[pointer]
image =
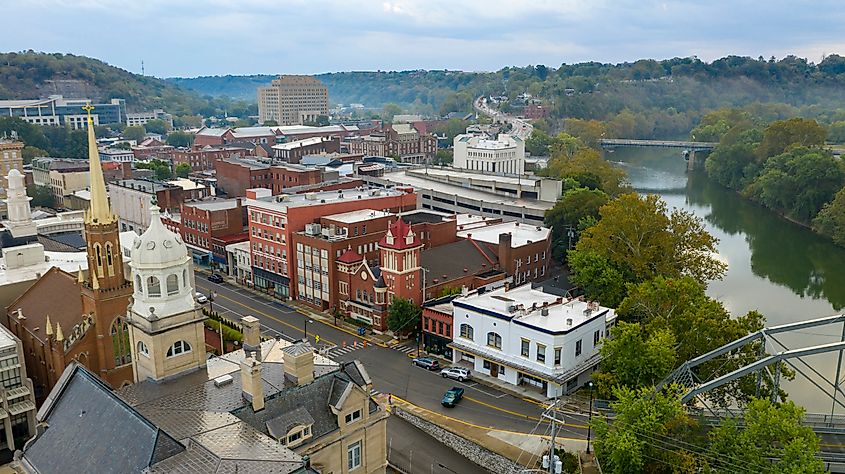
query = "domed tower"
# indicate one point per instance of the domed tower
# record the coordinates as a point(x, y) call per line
point(165, 323)
point(17, 203)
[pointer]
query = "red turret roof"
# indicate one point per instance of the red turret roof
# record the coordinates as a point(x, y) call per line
point(350, 256)
point(400, 230)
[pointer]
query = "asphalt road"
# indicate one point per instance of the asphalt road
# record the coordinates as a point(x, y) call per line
point(390, 369)
point(415, 452)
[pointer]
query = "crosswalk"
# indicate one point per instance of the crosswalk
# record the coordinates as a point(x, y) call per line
point(405, 348)
point(338, 351)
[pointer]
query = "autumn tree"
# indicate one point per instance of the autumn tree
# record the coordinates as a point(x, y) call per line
point(576, 210)
point(572, 159)
point(782, 134)
point(634, 358)
point(588, 131)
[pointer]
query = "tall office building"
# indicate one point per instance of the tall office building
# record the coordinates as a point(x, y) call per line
point(293, 100)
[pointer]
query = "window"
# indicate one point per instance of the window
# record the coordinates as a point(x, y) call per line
point(578, 348)
point(541, 353)
point(178, 347)
point(172, 284)
point(120, 342)
point(143, 349)
point(138, 284)
point(466, 331)
point(354, 416)
point(525, 348)
point(596, 337)
point(185, 278)
point(153, 287)
point(557, 355)
point(494, 340)
point(353, 456)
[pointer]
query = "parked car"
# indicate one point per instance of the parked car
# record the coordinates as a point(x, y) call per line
point(201, 298)
point(452, 397)
point(458, 373)
point(215, 278)
point(426, 363)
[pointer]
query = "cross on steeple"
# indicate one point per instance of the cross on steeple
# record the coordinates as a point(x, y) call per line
point(88, 108)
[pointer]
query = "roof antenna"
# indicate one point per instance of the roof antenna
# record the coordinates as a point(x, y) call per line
point(142, 67)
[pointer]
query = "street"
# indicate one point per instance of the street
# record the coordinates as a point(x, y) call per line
point(390, 368)
point(414, 451)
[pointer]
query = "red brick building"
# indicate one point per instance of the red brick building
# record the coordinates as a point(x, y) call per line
point(274, 219)
point(289, 176)
point(398, 140)
point(203, 221)
point(204, 158)
point(523, 251)
point(235, 176)
point(292, 152)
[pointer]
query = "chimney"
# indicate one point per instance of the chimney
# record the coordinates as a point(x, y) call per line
point(298, 360)
point(504, 252)
point(253, 386)
point(252, 335)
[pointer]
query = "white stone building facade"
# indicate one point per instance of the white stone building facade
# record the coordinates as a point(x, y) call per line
point(504, 155)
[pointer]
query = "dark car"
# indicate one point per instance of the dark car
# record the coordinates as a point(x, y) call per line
point(452, 397)
point(215, 278)
point(426, 363)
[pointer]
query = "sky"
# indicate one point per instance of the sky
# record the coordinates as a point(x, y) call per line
point(190, 38)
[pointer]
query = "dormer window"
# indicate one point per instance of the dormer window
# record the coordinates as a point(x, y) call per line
point(388, 238)
point(297, 435)
point(409, 239)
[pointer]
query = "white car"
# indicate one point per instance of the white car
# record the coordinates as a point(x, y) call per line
point(201, 298)
point(458, 373)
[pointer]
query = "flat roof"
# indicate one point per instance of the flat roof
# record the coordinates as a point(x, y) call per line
point(251, 164)
point(284, 201)
point(7, 340)
point(475, 176)
point(67, 261)
point(563, 315)
point(298, 143)
point(521, 234)
point(214, 204)
point(24, 102)
point(422, 184)
point(186, 184)
point(362, 215)
point(419, 216)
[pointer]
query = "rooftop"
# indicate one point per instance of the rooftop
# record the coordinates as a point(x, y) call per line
point(299, 143)
point(455, 174)
point(456, 260)
point(212, 132)
point(362, 215)
point(215, 204)
point(142, 185)
point(247, 132)
point(251, 164)
point(471, 221)
point(186, 184)
point(524, 305)
point(7, 339)
point(284, 201)
point(521, 234)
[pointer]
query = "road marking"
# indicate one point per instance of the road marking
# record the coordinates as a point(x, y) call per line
point(521, 415)
point(298, 329)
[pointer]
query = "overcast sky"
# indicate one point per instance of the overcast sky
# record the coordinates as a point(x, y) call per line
point(215, 37)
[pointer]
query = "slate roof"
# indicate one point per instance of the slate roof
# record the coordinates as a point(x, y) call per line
point(90, 429)
point(350, 256)
point(278, 427)
point(451, 259)
point(55, 294)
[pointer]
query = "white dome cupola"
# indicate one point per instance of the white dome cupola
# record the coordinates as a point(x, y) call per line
point(160, 272)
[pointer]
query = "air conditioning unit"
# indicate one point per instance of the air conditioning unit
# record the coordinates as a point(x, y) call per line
point(313, 229)
point(311, 196)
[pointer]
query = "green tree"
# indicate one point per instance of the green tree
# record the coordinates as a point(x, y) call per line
point(572, 159)
point(771, 439)
point(322, 121)
point(443, 157)
point(732, 166)
point(163, 172)
point(389, 111)
point(576, 208)
point(639, 235)
point(270, 123)
point(830, 221)
point(42, 196)
point(135, 132)
point(635, 358)
point(180, 139)
point(588, 131)
point(538, 143)
point(598, 277)
point(183, 169)
point(451, 128)
point(643, 435)
point(782, 134)
point(799, 182)
point(403, 316)
point(30, 152)
point(157, 126)
point(187, 121)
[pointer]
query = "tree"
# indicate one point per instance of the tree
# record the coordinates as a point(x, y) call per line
point(571, 159)
point(403, 316)
point(589, 131)
point(322, 121)
point(576, 208)
point(270, 123)
point(183, 169)
point(135, 132)
point(598, 277)
point(635, 358)
point(782, 134)
point(830, 221)
point(538, 143)
point(42, 196)
point(643, 435)
point(443, 157)
point(30, 152)
point(636, 234)
point(389, 111)
point(180, 139)
point(771, 439)
point(157, 126)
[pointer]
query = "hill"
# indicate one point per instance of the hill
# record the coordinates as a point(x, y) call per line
point(34, 75)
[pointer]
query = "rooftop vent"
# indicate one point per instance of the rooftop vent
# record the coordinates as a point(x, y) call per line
point(223, 380)
point(545, 312)
point(568, 320)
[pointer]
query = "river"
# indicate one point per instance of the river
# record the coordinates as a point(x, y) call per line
point(780, 269)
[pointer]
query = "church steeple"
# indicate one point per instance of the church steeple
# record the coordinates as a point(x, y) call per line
point(99, 212)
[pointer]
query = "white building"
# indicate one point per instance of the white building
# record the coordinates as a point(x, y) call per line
point(240, 262)
point(505, 155)
point(116, 154)
point(526, 337)
point(141, 118)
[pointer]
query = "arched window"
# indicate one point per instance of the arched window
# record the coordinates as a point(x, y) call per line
point(120, 342)
point(138, 285)
point(153, 287)
point(178, 347)
point(108, 253)
point(172, 284)
point(466, 331)
point(143, 349)
point(98, 254)
point(494, 340)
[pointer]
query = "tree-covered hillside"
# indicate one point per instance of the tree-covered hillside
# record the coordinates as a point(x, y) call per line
point(32, 75)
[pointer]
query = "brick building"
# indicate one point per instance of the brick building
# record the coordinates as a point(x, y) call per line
point(203, 221)
point(273, 220)
point(523, 251)
point(292, 152)
point(204, 158)
point(398, 140)
point(235, 176)
point(131, 199)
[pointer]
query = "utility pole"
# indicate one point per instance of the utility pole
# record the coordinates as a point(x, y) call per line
point(551, 463)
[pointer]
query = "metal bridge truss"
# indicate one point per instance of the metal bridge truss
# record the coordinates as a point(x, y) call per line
point(685, 376)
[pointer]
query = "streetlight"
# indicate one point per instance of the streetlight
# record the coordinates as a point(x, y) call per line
point(305, 322)
point(590, 422)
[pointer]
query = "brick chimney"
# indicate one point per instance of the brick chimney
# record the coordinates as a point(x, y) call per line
point(252, 335)
point(505, 252)
point(298, 359)
point(253, 386)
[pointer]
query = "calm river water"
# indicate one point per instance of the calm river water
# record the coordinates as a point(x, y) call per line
point(778, 268)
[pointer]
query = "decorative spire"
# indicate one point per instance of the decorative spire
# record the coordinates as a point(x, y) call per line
point(95, 281)
point(59, 336)
point(80, 278)
point(49, 326)
point(99, 211)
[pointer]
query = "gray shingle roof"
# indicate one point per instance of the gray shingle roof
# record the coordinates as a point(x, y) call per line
point(278, 427)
